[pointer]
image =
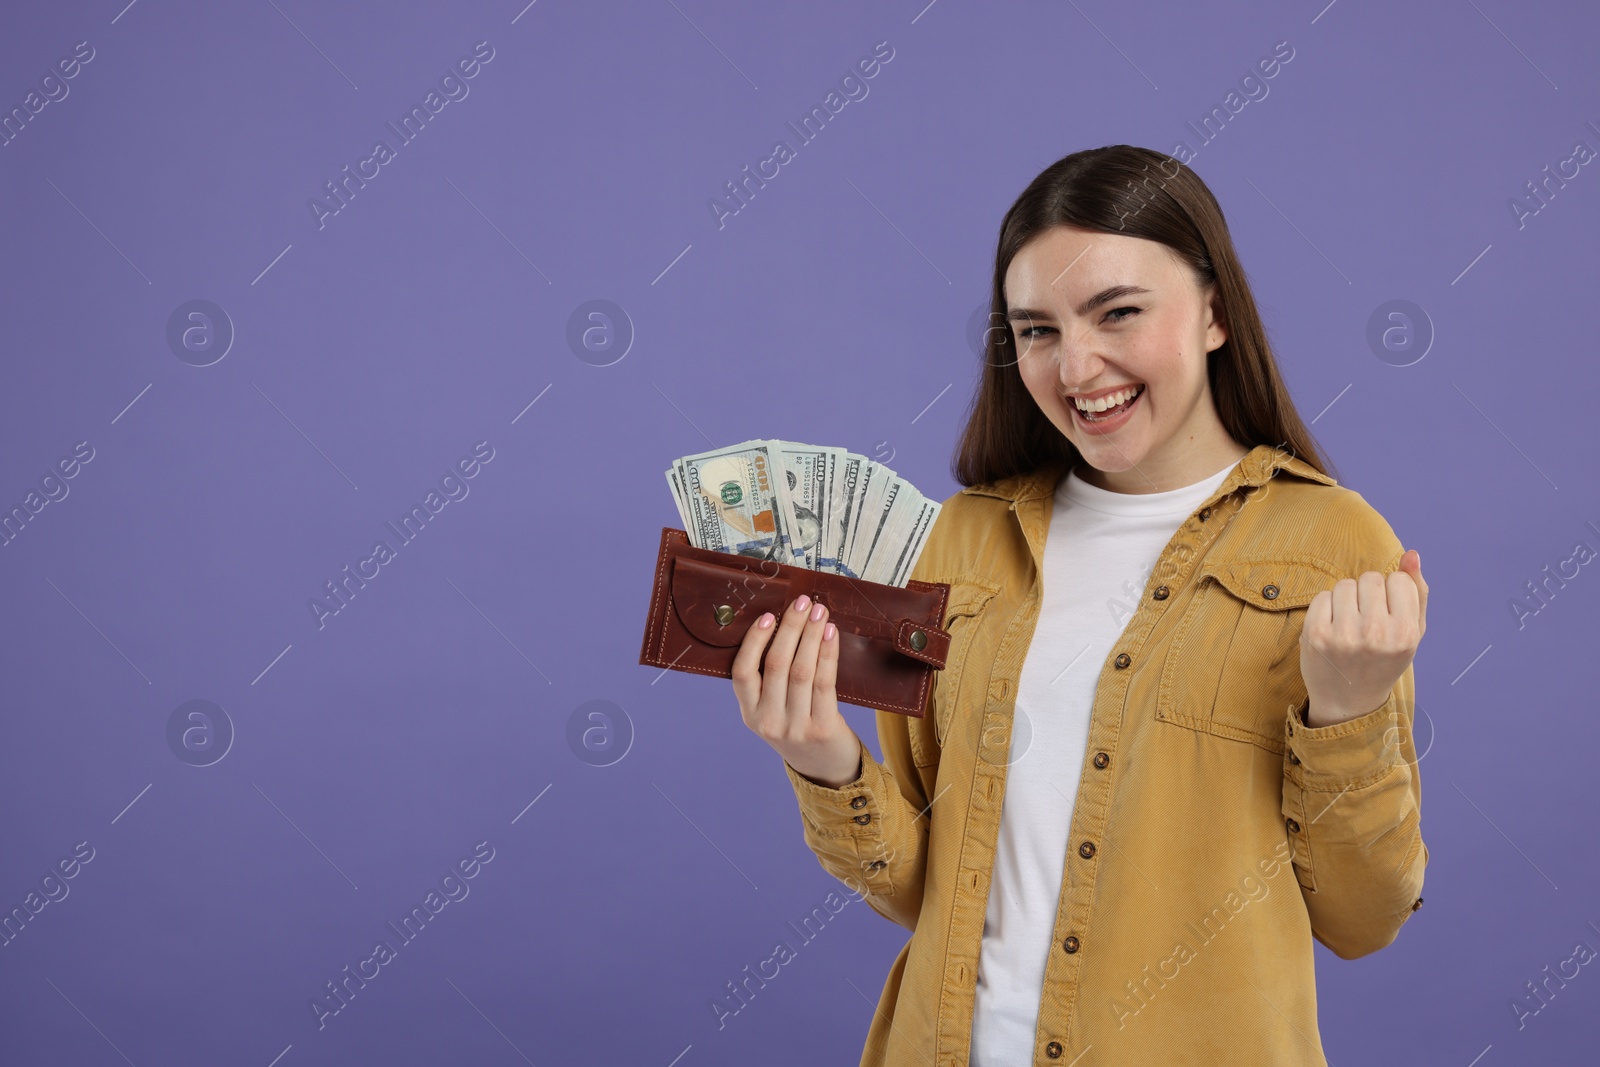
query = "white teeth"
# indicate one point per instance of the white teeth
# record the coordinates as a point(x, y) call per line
point(1109, 401)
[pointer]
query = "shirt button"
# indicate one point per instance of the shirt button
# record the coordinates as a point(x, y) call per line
point(858, 802)
point(1161, 592)
point(1270, 592)
point(1123, 660)
point(1071, 945)
point(864, 818)
point(876, 865)
point(1293, 826)
point(1102, 760)
point(1205, 513)
point(1294, 759)
point(1417, 905)
point(1053, 1049)
point(1086, 850)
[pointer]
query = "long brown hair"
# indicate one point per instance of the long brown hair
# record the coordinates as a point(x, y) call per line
point(1136, 192)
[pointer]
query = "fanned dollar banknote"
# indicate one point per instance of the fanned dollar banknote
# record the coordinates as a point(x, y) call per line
point(826, 509)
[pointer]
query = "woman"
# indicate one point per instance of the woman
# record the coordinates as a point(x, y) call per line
point(1126, 864)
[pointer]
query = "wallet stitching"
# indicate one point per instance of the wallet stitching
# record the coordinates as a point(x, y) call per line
point(657, 616)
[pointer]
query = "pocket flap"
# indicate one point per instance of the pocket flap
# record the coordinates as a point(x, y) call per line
point(1271, 584)
point(717, 604)
point(969, 593)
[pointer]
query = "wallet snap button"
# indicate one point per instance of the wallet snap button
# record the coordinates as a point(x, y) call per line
point(919, 640)
point(724, 613)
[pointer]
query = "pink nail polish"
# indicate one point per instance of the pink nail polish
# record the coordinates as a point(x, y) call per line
point(802, 602)
point(765, 620)
point(816, 611)
point(828, 632)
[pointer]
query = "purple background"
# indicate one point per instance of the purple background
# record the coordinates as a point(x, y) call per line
point(433, 311)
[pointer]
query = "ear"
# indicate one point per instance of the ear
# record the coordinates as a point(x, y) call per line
point(1217, 330)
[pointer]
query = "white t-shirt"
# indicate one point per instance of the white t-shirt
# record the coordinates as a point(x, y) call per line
point(1098, 555)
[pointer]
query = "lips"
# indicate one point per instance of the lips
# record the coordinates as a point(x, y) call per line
point(1107, 421)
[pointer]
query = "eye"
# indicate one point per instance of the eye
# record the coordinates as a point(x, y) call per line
point(1033, 331)
point(1109, 314)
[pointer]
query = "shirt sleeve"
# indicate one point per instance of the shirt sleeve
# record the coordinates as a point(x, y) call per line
point(873, 833)
point(1352, 806)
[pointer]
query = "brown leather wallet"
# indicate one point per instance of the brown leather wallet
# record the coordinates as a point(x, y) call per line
point(704, 600)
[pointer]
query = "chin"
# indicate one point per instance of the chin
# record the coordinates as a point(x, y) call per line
point(1111, 460)
point(1120, 451)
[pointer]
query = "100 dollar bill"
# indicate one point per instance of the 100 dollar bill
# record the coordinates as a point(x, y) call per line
point(826, 509)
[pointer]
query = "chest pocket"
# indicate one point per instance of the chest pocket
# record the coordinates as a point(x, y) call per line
point(970, 596)
point(1233, 667)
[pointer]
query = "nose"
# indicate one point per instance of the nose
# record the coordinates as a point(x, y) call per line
point(1079, 364)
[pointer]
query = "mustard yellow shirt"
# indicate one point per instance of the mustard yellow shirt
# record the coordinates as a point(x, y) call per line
point(1214, 834)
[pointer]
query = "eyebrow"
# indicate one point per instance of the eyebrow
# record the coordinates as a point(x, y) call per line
point(1104, 296)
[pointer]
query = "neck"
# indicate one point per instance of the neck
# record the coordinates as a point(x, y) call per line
point(1161, 475)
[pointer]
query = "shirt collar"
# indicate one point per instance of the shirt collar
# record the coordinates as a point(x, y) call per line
point(1255, 468)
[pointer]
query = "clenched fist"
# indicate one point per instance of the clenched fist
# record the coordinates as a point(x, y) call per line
point(1358, 639)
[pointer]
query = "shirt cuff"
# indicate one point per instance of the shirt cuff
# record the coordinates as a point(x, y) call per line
point(1345, 755)
point(849, 811)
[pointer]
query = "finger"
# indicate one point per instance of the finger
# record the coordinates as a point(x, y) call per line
point(1319, 614)
point(1346, 606)
point(1320, 621)
point(1422, 591)
point(825, 687)
point(803, 669)
point(1372, 596)
point(1404, 599)
point(775, 693)
point(747, 662)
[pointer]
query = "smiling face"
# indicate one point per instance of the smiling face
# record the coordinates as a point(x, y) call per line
point(1097, 313)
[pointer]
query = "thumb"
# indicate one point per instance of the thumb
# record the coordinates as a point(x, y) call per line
point(1411, 563)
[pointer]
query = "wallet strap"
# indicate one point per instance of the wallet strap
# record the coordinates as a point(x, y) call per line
point(934, 641)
